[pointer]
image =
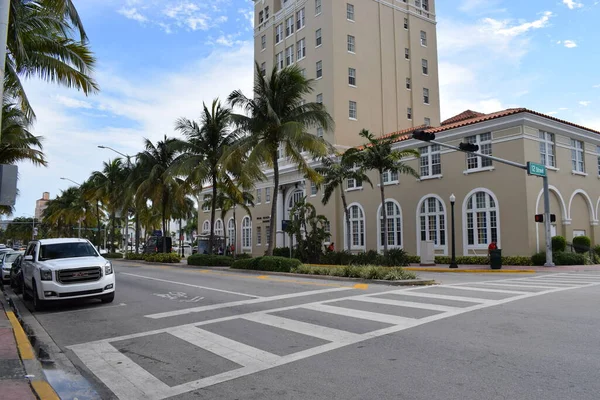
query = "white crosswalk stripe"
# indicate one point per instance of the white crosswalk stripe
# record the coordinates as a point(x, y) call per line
point(129, 381)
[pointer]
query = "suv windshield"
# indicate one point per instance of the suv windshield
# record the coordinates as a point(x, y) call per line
point(66, 250)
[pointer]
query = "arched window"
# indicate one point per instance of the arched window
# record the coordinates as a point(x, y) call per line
point(206, 226)
point(432, 221)
point(219, 228)
point(394, 225)
point(230, 232)
point(246, 233)
point(357, 227)
point(481, 220)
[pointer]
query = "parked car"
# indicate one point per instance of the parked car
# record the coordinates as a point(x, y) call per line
point(16, 274)
point(58, 269)
point(6, 260)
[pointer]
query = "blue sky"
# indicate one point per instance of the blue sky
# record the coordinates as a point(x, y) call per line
point(160, 59)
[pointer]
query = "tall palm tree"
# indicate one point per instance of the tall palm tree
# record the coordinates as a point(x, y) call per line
point(336, 171)
point(109, 186)
point(16, 142)
point(159, 184)
point(277, 117)
point(379, 155)
point(92, 195)
point(41, 43)
point(202, 151)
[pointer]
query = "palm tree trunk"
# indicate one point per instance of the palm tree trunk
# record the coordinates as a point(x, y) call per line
point(137, 233)
point(273, 221)
point(234, 233)
point(164, 226)
point(347, 217)
point(213, 206)
point(98, 235)
point(112, 233)
point(383, 214)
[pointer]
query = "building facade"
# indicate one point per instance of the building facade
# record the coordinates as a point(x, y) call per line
point(41, 204)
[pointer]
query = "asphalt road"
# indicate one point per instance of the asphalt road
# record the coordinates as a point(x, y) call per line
point(206, 334)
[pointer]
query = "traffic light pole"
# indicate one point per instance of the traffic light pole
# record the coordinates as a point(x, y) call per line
point(549, 262)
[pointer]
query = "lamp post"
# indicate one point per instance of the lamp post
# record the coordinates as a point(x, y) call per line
point(78, 185)
point(453, 261)
point(126, 211)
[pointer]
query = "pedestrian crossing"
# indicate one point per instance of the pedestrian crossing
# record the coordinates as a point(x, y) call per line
point(412, 307)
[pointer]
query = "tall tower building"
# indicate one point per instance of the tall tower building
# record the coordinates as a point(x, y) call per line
point(374, 63)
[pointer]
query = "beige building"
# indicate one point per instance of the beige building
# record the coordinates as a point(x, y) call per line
point(374, 63)
point(41, 204)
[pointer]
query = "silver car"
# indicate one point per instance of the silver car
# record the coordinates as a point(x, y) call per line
point(6, 260)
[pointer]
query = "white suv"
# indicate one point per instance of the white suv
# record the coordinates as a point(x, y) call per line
point(59, 269)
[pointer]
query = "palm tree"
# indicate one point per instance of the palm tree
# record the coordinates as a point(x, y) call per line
point(109, 185)
point(91, 195)
point(41, 43)
point(202, 153)
point(159, 184)
point(278, 118)
point(16, 142)
point(379, 155)
point(336, 171)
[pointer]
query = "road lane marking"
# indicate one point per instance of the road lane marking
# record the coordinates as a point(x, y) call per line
point(242, 303)
point(23, 343)
point(527, 286)
point(190, 285)
point(447, 297)
point(368, 315)
point(305, 328)
point(489, 290)
point(362, 286)
point(411, 304)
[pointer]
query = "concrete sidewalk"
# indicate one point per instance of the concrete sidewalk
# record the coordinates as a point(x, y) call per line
point(506, 269)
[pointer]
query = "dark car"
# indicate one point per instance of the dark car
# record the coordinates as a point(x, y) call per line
point(16, 275)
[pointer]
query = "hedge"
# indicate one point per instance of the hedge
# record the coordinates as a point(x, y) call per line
point(170, 258)
point(559, 258)
point(354, 271)
point(113, 255)
point(581, 244)
point(267, 263)
point(479, 260)
point(559, 243)
point(206, 260)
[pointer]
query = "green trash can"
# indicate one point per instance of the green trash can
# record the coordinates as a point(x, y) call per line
point(496, 259)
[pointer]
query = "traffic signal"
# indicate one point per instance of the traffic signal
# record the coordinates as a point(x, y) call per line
point(420, 134)
point(540, 218)
point(470, 147)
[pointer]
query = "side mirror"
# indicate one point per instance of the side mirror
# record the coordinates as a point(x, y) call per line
point(28, 258)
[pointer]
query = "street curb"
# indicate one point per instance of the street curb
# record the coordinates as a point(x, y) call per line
point(472, 271)
point(33, 368)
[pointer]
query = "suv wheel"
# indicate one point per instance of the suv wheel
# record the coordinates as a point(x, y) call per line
point(108, 298)
point(38, 304)
point(26, 295)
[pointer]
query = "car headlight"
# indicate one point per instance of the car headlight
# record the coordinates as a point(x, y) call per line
point(108, 269)
point(45, 274)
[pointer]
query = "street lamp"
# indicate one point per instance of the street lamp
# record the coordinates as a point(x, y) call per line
point(119, 153)
point(78, 185)
point(453, 261)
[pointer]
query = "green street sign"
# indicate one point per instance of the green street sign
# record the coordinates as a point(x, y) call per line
point(536, 169)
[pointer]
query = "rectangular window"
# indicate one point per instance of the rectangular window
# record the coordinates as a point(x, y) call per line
point(577, 155)
point(408, 112)
point(205, 205)
point(258, 196)
point(289, 55)
point(484, 141)
point(407, 53)
point(318, 39)
point(431, 160)
point(268, 233)
point(425, 95)
point(300, 19)
point(320, 98)
point(408, 83)
point(320, 134)
point(352, 112)
point(423, 38)
point(301, 48)
point(350, 12)
point(547, 156)
point(258, 236)
point(390, 177)
point(263, 69)
point(405, 23)
point(278, 33)
point(427, 122)
point(351, 44)
point(260, 17)
point(425, 5)
point(327, 227)
point(279, 60)
point(351, 76)
point(313, 189)
point(425, 66)
point(319, 69)
point(353, 183)
point(266, 13)
point(267, 195)
point(289, 26)
point(317, 7)
point(263, 42)
point(303, 72)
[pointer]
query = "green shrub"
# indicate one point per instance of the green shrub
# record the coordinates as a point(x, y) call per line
point(478, 260)
point(370, 257)
point(354, 271)
point(281, 252)
point(516, 260)
point(171, 258)
point(268, 263)
point(243, 256)
point(581, 244)
point(559, 243)
point(113, 255)
point(560, 258)
point(597, 250)
point(539, 259)
point(395, 258)
point(206, 260)
point(133, 256)
point(413, 259)
point(337, 258)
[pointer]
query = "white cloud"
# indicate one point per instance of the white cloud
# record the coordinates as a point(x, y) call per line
point(563, 109)
point(597, 86)
point(572, 4)
point(552, 113)
point(70, 102)
point(132, 13)
point(570, 44)
point(585, 103)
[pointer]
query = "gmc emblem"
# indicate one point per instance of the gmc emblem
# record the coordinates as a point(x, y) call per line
point(79, 274)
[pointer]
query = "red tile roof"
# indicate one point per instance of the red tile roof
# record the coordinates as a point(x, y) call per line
point(468, 114)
